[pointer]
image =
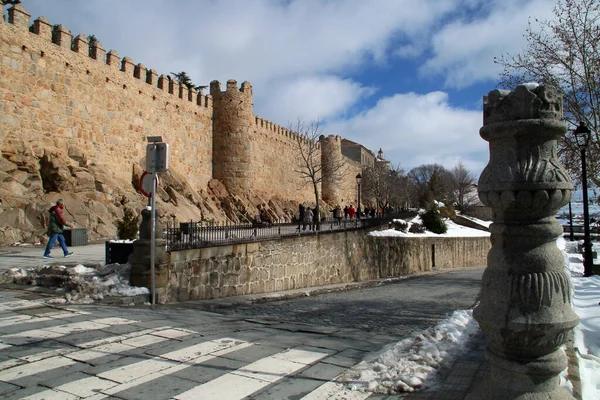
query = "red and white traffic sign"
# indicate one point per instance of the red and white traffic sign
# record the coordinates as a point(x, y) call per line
point(147, 184)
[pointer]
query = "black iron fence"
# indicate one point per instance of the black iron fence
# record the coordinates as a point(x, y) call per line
point(196, 235)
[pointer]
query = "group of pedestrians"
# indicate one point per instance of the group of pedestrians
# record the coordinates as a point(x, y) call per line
point(308, 218)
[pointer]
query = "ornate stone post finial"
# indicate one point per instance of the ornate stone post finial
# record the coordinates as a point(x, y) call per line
point(525, 309)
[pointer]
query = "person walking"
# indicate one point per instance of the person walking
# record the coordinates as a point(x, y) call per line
point(56, 225)
point(308, 219)
point(351, 211)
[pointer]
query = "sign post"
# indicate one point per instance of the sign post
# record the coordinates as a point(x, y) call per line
point(157, 160)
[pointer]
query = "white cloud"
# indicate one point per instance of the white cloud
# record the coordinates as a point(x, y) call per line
point(463, 52)
point(309, 98)
point(418, 129)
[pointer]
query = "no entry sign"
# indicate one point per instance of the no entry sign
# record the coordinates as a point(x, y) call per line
point(147, 184)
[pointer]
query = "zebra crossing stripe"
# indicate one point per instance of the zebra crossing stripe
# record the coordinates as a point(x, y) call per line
point(86, 354)
point(193, 354)
point(335, 391)
point(255, 376)
point(20, 304)
point(27, 319)
point(145, 371)
point(24, 370)
point(36, 335)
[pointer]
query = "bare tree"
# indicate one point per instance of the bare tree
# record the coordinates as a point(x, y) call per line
point(564, 52)
point(376, 184)
point(464, 187)
point(387, 185)
point(311, 165)
point(433, 182)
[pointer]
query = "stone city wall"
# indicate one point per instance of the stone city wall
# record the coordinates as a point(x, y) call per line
point(56, 90)
point(106, 106)
point(309, 261)
point(280, 179)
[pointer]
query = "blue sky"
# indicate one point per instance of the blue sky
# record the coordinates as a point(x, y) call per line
point(407, 76)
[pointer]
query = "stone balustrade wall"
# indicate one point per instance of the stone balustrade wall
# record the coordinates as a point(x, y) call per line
point(310, 261)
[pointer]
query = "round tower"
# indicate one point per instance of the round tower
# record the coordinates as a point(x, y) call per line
point(331, 161)
point(233, 122)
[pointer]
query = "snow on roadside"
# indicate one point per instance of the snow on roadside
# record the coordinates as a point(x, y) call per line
point(80, 284)
point(413, 363)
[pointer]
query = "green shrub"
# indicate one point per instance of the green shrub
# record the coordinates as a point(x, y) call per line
point(433, 221)
point(447, 212)
point(127, 228)
point(417, 228)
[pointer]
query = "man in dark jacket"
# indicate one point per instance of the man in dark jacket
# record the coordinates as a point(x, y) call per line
point(56, 224)
point(300, 214)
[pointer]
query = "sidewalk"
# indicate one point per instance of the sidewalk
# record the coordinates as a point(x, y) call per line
point(30, 256)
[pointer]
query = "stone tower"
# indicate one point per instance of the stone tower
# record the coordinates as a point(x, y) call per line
point(331, 160)
point(233, 121)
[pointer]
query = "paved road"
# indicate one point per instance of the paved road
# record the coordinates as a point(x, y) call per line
point(106, 352)
point(396, 309)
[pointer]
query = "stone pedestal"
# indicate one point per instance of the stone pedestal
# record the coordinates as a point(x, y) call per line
point(525, 308)
point(141, 258)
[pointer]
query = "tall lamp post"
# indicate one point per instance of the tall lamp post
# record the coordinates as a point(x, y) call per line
point(582, 136)
point(358, 181)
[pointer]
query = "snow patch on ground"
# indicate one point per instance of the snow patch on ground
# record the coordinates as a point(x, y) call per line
point(413, 363)
point(80, 284)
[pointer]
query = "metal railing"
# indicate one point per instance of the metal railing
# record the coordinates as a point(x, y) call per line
point(196, 235)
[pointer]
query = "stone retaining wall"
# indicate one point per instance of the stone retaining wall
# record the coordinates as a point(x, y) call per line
point(303, 262)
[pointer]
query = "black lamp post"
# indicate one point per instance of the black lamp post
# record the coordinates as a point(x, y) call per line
point(358, 181)
point(582, 136)
point(571, 235)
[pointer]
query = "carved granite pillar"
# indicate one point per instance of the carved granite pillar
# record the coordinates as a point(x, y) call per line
point(140, 259)
point(525, 308)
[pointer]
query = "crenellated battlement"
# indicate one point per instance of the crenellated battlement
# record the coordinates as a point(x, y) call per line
point(273, 128)
point(60, 35)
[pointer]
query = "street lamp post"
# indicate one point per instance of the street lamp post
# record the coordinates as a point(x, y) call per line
point(571, 235)
point(358, 181)
point(582, 136)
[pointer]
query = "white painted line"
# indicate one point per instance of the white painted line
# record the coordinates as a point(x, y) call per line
point(217, 344)
point(33, 368)
point(10, 363)
point(118, 338)
point(213, 347)
point(89, 354)
point(98, 352)
point(335, 391)
point(15, 319)
point(247, 380)
point(4, 346)
point(62, 330)
point(189, 354)
point(143, 341)
point(20, 304)
point(174, 333)
point(51, 395)
point(27, 319)
point(86, 387)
